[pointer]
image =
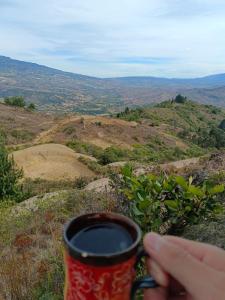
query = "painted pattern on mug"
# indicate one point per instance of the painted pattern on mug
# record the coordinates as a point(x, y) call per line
point(85, 282)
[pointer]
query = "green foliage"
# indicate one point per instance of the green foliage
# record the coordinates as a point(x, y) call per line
point(81, 182)
point(111, 154)
point(85, 148)
point(31, 106)
point(180, 99)
point(9, 176)
point(104, 156)
point(168, 203)
point(15, 101)
point(131, 114)
point(222, 125)
point(209, 138)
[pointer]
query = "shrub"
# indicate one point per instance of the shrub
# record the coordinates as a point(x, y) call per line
point(92, 165)
point(85, 148)
point(9, 176)
point(31, 106)
point(111, 154)
point(15, 101)
point(81, 182)
point(168, 203)
point(222, 125)
point(180, 99)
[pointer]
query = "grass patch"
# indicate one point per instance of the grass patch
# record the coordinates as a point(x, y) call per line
point(32, 242)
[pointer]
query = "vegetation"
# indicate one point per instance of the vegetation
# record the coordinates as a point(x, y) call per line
point(30, 232)
point(19, 102)
point(222, 125)
point(180, 99)
point(131, 114)
point(9, 176)
point(201, 125)
point(168, 203)
point(31, 106)
point(36, 245)
point(154, 151)
point(15, 101)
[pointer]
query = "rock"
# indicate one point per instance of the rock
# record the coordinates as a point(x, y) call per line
point(212, 233)
point(117, 164)
point(32, 204)
point(100, 185)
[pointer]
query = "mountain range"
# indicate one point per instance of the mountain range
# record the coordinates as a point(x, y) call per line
point(56, 90)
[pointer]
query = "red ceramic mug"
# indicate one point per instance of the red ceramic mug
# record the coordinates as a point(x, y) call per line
point(111, 276)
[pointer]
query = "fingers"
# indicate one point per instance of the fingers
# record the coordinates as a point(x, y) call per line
point(162, 278)
point(155, 294)
point(182, 266)
point(210, 255)
point(157, 273)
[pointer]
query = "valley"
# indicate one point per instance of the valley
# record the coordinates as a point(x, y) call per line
point(55, 90)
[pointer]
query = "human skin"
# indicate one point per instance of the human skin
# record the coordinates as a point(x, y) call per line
point(184, 270)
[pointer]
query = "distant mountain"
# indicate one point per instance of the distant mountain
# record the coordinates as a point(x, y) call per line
point(57, 90)
point(142, 81)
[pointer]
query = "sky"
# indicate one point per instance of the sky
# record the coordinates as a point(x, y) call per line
point(111, 38)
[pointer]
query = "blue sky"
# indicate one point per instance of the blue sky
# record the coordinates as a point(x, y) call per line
point(171, 38)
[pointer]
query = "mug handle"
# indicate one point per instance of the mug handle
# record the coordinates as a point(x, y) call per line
point(146, 282)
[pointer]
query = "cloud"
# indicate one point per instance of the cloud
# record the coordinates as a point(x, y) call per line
point(114, 38)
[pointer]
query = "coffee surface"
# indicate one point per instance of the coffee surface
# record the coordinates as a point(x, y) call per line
point(102, 238)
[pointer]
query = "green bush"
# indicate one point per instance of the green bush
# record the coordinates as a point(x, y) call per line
point(31, 106)
point(112, 154)
point(85, 148)
point(222, 125)
point(15, 101)
point(180, 99)
point(81, 182)
point(9, 176)
point(168, 203)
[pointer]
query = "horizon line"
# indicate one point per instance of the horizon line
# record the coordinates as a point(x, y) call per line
point(116, 77)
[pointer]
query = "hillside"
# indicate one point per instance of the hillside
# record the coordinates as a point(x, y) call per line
point(166, 132)
point(61, 91)
point(19, 125)
point(72, 165)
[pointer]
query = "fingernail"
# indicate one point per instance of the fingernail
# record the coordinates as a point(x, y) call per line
point(154, 241)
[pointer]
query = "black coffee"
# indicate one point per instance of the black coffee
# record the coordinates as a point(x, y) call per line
point(102, 238)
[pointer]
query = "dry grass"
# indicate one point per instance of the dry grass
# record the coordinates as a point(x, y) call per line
point(51, 162)
point(31, 247)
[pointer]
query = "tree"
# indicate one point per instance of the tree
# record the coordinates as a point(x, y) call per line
point(219, 136)
point(127, 110)
point(222, 125)
point(9, 175)
point(180, 99)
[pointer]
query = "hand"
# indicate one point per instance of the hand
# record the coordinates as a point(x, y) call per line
point(185, 270)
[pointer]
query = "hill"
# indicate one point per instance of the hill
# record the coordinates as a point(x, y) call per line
point(72, 165)
point(61, 91)
point(51, 162)
point(169, 131)
point(19, 125)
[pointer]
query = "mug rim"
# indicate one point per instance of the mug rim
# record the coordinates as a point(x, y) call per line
point(101, 259)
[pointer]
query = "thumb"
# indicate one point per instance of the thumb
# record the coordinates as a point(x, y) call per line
point(191, 273)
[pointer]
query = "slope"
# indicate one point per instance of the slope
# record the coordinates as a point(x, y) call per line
point(61, 91)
